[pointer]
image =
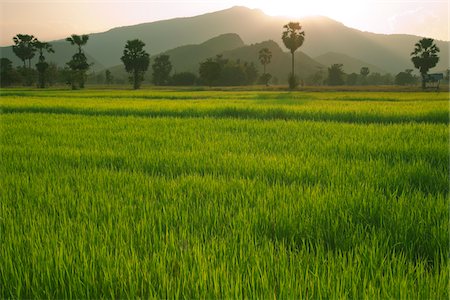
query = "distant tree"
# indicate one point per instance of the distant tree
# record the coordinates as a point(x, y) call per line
point(265, 56)
point(264, 79)
point(405, 78)
point(364, 72)
point(336, 75)
point(352, 79)
point(183, 79)
point(108, 77)
point(293, 38)
point(209, 71)
point(251, 73)
point(161, 70)
point(424, 57)
point(24, 48)
point(374, 79)
point(6, 70)
point(447, 75)
point(78, 64)
point(136, 61)
point(42, 65)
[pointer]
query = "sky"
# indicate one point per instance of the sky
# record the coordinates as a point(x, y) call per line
point(56, 19)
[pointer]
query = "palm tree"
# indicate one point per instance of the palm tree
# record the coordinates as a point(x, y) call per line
point(265, 55)
point(42, 65)
point(425, 57)
point(78, 64)
point(136, 61)
point(79, 40)
point(24, 47)
point(293, 38)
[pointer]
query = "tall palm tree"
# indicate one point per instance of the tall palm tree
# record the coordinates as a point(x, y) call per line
point(265, 55)
point(79, 40)
point(293, 38)
point(424, 57)
point(42, 65)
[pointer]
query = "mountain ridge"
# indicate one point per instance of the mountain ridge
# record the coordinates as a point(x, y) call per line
point(323, 34)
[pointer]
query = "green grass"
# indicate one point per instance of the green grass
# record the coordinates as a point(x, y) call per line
point(210, 194)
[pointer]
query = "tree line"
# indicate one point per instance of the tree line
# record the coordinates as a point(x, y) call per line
point(216, 71)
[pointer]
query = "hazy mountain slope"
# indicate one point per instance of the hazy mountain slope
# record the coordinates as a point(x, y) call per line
point(389, 52)
point(63, 53)
point(323, 35)
point(280, 65)
point(351, 65)
point(187, 58)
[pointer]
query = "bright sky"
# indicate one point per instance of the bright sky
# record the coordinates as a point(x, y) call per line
point(54, 19)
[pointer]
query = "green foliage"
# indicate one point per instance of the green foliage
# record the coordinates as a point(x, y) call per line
point(183, 79)
point(8, 75)
point(161, 70)
point(227, 72)
point(224, 195)
point(265, 78)
point(335, 75)
point(136, 61)
point(425, 56)
point(405, 78)
point(209, 71)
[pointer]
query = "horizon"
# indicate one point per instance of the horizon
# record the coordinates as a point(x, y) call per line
point(59, 25)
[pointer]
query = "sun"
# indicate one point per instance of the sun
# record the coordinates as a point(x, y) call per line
point(342, 10)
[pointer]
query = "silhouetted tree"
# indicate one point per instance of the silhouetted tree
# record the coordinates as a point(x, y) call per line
point(364, 72)
point(335, 75)
point(183, 78)
point(6, 70)
point(352, 79)
point(24, 47)
point(424, 57)
point(161, 70)
point(42, 65)
point(136, 61)
point(265, 56)
point(293, 38)
point(209, 71)
point(108, 77)
point(78, 64)
point(405, 78)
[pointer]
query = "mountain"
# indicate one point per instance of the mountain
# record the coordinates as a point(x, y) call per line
point(280, 64)
point(187, 58)
point(231, 46)
point(323, 35)
point(351, 65)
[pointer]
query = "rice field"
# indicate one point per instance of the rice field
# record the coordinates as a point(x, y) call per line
point(224, 194)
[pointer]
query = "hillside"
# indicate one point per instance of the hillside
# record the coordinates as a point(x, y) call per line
point(351, 65)
point(187, 58)
point(323, 35)
point(280, 64)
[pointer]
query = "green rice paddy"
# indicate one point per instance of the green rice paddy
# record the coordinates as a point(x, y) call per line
point(213, 194)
